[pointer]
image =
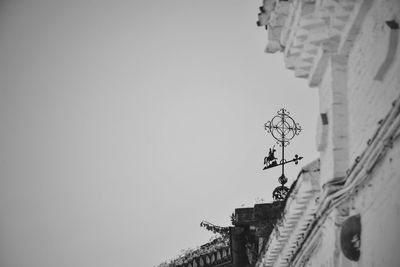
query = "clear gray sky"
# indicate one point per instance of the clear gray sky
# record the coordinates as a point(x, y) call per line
point(123, 124)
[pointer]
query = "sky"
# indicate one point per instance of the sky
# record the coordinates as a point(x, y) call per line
point(124, 124)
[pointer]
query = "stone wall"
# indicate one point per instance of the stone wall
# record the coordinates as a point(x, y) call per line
point(378, 202)
point(373, 85)
point(370, 97)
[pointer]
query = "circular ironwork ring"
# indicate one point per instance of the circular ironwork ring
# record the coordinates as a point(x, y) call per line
point(282, 127)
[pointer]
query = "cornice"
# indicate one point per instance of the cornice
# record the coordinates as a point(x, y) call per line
point(309, 31)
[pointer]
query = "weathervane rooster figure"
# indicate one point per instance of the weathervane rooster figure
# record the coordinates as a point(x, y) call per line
point(283, 128)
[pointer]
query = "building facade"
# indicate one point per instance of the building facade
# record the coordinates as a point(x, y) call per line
point(349, 51)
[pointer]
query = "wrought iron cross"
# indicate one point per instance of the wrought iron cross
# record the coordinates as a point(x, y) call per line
point(283, 128)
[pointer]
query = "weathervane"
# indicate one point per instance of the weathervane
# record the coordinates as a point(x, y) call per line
point(283, 128)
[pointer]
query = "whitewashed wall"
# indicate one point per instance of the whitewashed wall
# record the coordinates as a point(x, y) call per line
point(369, 98)
point(371, 88)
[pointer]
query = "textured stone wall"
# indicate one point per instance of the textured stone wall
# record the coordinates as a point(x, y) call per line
point(372, 83)
point(371, 98)
point(378, 202)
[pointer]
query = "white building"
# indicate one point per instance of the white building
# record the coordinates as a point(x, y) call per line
point(349, 214)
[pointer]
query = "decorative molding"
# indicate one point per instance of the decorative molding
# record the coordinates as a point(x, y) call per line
point(307, 32)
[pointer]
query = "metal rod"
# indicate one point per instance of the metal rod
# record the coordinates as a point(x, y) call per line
point(285, 162)
point(283, 143)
